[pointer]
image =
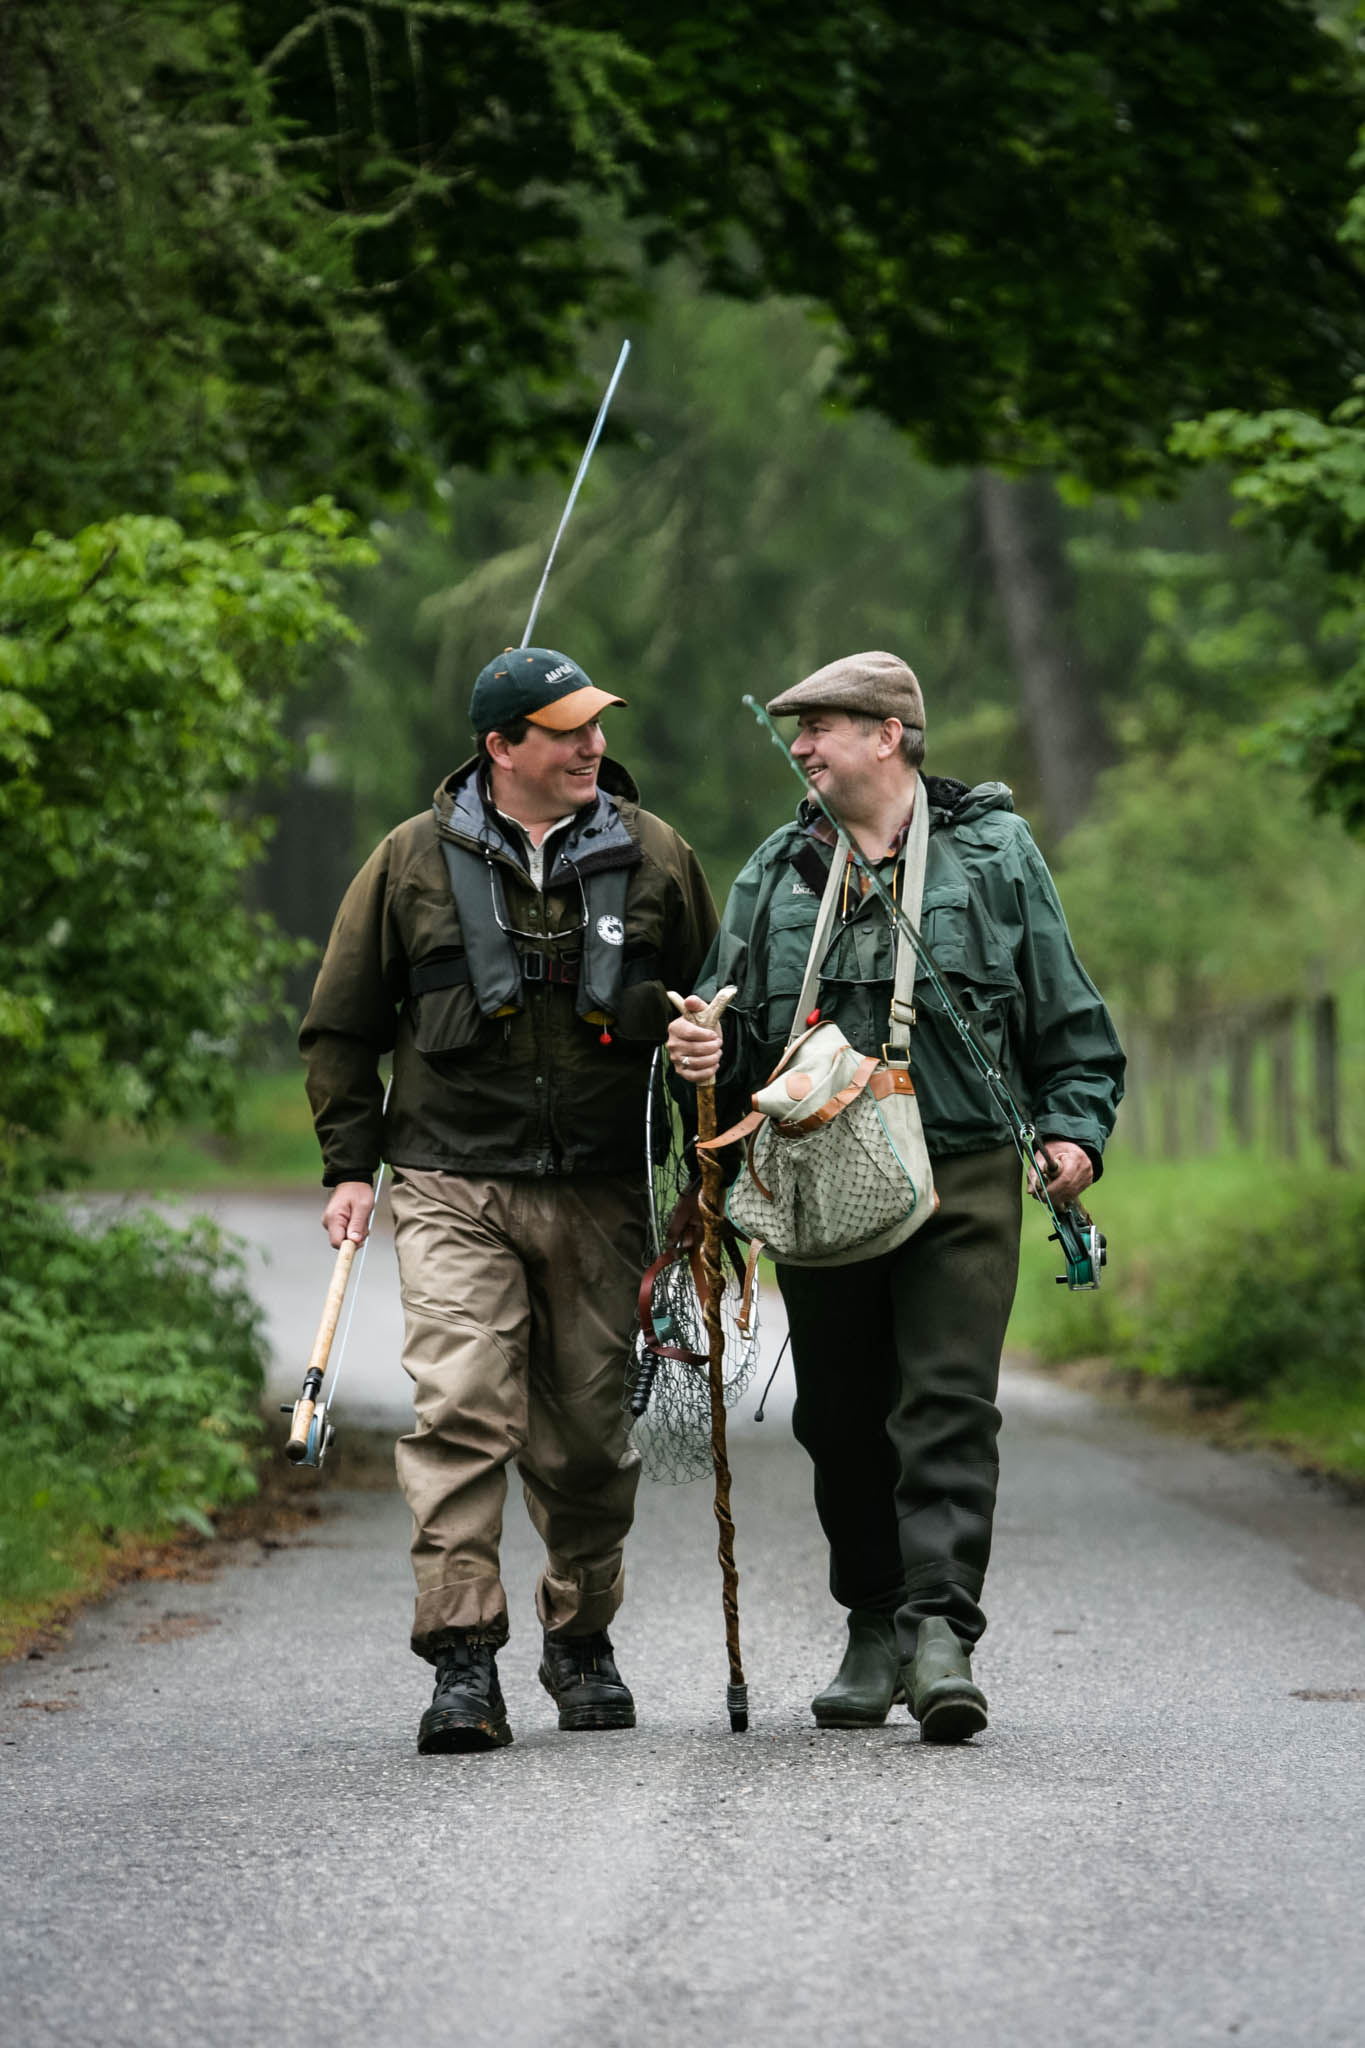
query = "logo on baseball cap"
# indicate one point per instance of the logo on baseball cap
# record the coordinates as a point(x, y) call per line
point(536, 683)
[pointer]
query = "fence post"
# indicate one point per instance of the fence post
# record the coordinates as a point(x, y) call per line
point(1137, 1081)
point(1326, 1079)
point(1284, 1121)
point(1241, 1109)
point(1171, 1132)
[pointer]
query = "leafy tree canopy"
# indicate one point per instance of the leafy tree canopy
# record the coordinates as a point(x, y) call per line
point(285, 245)
point(1045, 231)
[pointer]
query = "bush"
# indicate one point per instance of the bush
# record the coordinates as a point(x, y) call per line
point(1258, 1306)
point(131, 1365)
point(143, 677)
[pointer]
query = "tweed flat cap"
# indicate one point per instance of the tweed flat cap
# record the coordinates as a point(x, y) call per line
point(880, 684)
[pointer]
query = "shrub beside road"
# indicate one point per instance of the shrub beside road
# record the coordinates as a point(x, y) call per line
point(1234, 1277)
point(129, 1400)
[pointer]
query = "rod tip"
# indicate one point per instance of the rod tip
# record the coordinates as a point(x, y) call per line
point(737, 1702)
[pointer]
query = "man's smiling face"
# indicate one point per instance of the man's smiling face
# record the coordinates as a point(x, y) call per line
point(548, 774)
point(837, 754)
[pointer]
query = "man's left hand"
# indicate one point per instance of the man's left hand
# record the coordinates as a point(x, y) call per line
point(1072, 1172)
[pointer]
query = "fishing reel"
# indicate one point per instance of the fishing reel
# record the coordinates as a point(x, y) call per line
point(311, 1434)
point(1084, 1248)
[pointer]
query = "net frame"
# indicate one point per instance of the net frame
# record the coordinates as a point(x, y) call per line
point(670, 1397)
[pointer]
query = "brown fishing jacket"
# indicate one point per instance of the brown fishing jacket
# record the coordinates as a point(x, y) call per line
point(535, 1088)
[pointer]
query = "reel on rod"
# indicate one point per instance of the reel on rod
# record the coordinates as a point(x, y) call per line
point(311, 1434)
point(1084, 1248)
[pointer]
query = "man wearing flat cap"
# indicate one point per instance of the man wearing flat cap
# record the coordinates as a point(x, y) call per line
point(511, 948)
point(897, 1355)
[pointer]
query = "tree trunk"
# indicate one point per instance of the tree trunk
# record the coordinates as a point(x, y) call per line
point(1022, 528)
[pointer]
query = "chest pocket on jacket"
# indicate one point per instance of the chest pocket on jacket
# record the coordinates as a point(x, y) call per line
point(446, 1021)
point(791, 927)
point(968, 947)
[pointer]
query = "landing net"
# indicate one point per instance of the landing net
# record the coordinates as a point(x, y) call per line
point(673, 1431)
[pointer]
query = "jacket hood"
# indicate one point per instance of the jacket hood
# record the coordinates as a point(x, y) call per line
point(950, 802)
point(600, 836)
point(463, 783)
point(953, 803)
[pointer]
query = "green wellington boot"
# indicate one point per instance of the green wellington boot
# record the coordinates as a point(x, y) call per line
point(938, 1685)
point(867, 1683)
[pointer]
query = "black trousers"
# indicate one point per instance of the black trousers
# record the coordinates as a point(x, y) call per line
point(897, 1361)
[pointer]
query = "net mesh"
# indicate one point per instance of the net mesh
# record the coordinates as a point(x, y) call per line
point(672, 1430)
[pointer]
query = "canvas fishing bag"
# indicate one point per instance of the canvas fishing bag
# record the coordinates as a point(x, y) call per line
point(835, 1166)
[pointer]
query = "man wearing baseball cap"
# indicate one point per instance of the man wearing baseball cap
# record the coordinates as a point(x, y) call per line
point(511, 948)
point(897, 1356)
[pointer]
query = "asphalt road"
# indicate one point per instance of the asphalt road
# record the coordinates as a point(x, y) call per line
point(216, 1828)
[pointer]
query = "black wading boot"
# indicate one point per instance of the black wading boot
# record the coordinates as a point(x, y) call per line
point(467, 1710)
point(580, 1675)
point(868, 1682)
point(938, 1685)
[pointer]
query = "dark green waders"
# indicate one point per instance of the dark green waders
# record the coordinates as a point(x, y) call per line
point(897, 1361)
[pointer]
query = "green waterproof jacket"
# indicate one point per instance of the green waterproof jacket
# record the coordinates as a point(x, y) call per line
point(538, 1090)
point(991, 918)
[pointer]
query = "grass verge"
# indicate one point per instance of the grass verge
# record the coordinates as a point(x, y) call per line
point(1235, 1282)
point(273, 1146)
point(57, 1558)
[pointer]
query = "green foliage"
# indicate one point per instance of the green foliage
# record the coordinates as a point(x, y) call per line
point(271, 1144)
point(1265, 1303)
point(1232, 1276)
point(1305, 475)
point(261, 250)
point(131, 1365)
point(142, 677)
point(745, 532)
point(1046, 233)
point(1307, 472)
point(1156, 1213)
point(1204, 883)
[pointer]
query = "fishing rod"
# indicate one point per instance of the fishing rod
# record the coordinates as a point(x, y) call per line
point(311, 1430)
point(593, 439)
point(1082, 1243)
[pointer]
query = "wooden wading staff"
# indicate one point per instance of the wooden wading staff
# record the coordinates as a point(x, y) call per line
point(712, 1215)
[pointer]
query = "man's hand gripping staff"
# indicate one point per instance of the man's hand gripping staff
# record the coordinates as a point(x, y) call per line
point(1082, 1244)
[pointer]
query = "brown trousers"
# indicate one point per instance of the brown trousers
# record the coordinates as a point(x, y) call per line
point(518, 1304)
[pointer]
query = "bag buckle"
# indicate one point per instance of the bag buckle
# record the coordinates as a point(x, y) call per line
point(533, 966)
point(896, 1056)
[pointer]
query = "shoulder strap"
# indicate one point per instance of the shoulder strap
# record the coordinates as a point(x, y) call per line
point(824, 925)
point(912, 897)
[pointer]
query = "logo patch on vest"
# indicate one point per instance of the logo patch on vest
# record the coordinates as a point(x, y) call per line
point(800, 889)
point(611, 931)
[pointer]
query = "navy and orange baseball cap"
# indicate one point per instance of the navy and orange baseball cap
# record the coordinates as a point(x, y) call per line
point(536, 683)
